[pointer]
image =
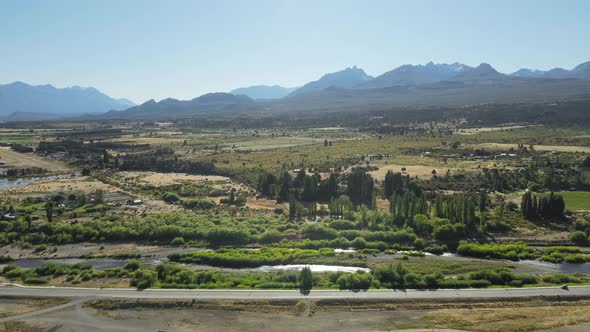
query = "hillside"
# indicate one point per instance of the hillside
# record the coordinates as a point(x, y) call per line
point(211, 102)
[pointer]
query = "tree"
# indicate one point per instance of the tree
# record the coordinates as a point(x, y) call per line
point(483, 200)
point(298, 182)
point(295, 208)
point(305, 280)
point(393, 184)
point(332, 187)
point(99, 196)
point(105, 156)
point(285, 185)
point(361, 188)
point(49, 210)
point(310, 188)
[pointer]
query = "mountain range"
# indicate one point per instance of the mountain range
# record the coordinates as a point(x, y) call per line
point(211, 102)
point(409, 86)
point(21, 100)
point(581, 71)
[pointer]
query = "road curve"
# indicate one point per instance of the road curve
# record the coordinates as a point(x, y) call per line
point(235, 294)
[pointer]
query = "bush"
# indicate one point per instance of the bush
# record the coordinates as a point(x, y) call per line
point(133, 265)
point(40, 248)
point(32, 280)
point(576, 259)
point(271, 236)
point(579, 238)
point(419, 244)
point(435, 250)
point(511, 251)
point(177, 241)
point(5, 259)
point(202, 204)
point(342, 224)
point(319, 232)
point(171, 197)
point(143, 279)
point(481, 283)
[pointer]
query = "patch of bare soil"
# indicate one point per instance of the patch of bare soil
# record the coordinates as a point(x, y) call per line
point(10, 306)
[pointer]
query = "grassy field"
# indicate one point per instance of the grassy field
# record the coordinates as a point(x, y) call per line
point(576, 200)
point(548, 148)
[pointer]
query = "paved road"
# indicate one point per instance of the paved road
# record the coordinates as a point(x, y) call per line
point(72, 292)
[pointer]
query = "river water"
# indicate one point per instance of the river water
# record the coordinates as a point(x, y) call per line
point(529, 266)
point(21, 182)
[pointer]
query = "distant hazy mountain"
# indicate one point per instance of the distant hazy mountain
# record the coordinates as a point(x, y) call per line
point(525, 72)
point(346, 79)
point(211, 102)
point(262, 92)
point(413, 75)
point(22, 98)
point(582, 71)
point(483, 72)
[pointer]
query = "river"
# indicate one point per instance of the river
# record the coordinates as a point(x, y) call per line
point(10, 183)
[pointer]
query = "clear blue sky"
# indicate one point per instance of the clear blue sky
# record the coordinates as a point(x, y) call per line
point(156, 49)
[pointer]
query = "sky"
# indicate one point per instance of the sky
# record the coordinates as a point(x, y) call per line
point(144, 49)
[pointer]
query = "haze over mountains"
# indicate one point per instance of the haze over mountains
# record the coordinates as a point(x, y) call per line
point(19, 100)
point(411, 86)
point(263, 92)
point(581, 71)
point(408, 86)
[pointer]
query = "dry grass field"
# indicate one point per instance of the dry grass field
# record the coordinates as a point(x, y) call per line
point(15, 159)
point(162, 179)
point(421, 171)
point(548, 148)
point(523, 318)
point(44, 187)
point(15, 306)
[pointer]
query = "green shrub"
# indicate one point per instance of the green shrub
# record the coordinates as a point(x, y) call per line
point(271, 236)
point(40, 248)
point(202, 204)
point(143, 278)
point(576, 259)
point(171, 197)
point(32, 280)
point(177, 241)
point(579, 238)
point(133, 265)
